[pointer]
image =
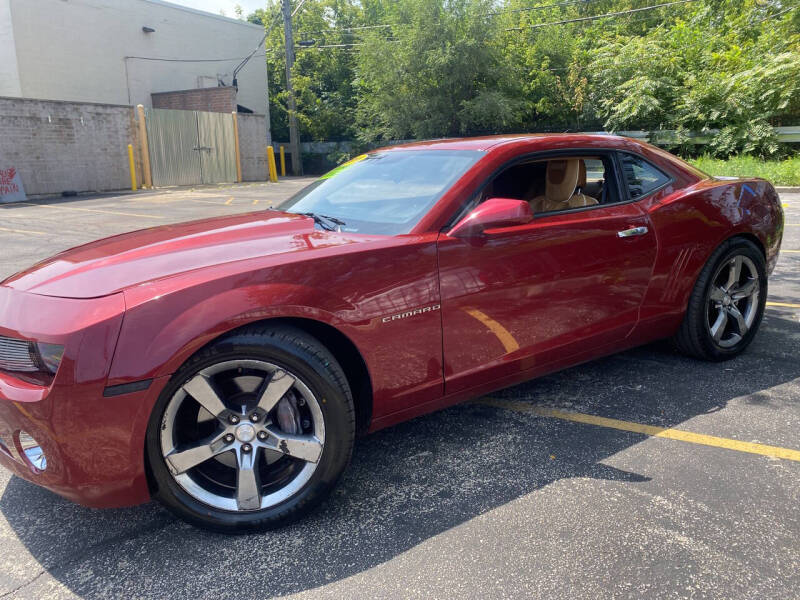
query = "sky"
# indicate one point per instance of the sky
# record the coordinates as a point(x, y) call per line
point(214, 6)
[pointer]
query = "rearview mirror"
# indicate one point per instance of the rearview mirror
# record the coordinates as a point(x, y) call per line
point(492, 214)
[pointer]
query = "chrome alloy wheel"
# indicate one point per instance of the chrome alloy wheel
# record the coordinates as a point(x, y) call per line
point(732, 301)
point(242, 435)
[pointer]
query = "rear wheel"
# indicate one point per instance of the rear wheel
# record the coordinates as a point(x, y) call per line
point(252, 432)
point(727, 303)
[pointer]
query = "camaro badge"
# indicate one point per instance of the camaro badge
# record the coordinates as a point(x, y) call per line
point(411, 313)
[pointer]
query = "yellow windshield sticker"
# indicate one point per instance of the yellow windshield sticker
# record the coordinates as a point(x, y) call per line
point(343, 166)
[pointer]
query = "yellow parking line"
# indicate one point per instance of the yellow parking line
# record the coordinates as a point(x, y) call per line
point(784, 304)
point(96, 210)
point(790, 251)
point(651, 430)
point(205, 201)
point(508, 341)
point(229, 200)
point(155, 199)
point(22, 231)
point(255, 201)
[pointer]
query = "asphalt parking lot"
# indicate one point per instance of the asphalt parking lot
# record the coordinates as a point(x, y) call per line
point(502, 499)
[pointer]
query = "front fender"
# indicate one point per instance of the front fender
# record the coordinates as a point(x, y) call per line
point(161, 331)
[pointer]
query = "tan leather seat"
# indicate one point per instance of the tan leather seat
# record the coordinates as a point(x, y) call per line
point(581, 174)
point(562, 178)
point(589, 200)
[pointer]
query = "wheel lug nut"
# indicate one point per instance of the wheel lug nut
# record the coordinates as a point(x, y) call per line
point(233, 419)
point(262, 435)
point(228, 438)
point(246, 447)
point(306, 423)
point(254, 417)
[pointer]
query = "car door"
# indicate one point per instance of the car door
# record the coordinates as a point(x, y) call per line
point(516, 298)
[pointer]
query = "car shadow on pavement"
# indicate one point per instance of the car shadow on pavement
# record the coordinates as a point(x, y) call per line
point(405, 485)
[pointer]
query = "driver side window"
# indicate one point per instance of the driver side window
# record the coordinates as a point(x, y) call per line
point(557, 184)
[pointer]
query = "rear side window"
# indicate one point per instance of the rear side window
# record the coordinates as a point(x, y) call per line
point(641, 176)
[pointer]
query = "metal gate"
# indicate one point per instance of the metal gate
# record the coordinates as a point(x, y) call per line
point(189, 147)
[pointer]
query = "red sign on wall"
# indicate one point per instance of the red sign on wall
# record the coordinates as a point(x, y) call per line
point(11, 189)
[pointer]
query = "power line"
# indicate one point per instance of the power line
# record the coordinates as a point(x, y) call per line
point(334, 30)
point(778, 14)
point(243, 59)
point(540, 7)
point(498, 12)
point(603, 16)
point(589, 18)
point(186, 60)
point(296, 8)
point(345, 45)
point(329, 46)
point(349, 30)
point(241, 65)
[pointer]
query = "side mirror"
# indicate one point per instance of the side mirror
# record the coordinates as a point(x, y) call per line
point(492, 214)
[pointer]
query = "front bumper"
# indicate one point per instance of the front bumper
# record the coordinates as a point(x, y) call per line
point(94, 445)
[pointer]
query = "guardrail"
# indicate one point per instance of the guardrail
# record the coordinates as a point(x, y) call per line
point(785, 135)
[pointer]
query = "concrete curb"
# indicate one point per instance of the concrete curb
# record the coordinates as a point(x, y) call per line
point(787, 189)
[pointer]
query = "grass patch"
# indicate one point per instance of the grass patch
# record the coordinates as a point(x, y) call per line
point(778, 172)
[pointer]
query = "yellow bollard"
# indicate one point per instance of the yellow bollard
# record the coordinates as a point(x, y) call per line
point(273, 172)
point(283, 163)
point(147, 182)
point(236, 148)
point(132, 167)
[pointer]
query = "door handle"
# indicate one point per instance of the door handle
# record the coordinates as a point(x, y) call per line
point(632, 232)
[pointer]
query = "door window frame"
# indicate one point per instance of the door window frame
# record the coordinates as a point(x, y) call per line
point(623, 195)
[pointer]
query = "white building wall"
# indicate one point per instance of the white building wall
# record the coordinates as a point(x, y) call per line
point(9, 75)
point(75, 50)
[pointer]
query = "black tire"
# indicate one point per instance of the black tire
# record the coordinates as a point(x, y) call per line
point(694, 336)
point(293, 351)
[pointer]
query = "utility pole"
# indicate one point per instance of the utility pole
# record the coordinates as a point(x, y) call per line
point(266, 79)
point(294, 138)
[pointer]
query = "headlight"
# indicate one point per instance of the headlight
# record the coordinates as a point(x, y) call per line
point(36, 362)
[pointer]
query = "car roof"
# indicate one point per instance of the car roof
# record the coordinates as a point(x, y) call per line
point(493, 141)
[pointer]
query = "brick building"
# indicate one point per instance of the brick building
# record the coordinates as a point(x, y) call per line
point(218, 99)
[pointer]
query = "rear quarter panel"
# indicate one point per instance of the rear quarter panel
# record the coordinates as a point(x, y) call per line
point(690, 224)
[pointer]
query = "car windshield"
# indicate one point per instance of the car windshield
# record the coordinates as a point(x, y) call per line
point(383, 193)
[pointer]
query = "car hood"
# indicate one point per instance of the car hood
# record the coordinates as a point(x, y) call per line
point(112, 264)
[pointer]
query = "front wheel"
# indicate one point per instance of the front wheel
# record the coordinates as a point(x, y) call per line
point(727, 303)
point(253, 432)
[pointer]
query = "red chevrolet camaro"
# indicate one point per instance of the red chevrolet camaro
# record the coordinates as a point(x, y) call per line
point(226, 365)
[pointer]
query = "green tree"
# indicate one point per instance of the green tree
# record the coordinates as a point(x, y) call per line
point(729, 66)
point(378, 70)
point(322, 76)
point(437, 72)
